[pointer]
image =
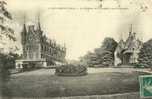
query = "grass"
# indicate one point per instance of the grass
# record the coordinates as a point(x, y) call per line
point(91, 84)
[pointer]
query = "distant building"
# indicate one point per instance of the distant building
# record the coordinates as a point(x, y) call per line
point(38, 50)
point(127, 51)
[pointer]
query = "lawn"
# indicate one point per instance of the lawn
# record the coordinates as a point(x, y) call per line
point(91, 84)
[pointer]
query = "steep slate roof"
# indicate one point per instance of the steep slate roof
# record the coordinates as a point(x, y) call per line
point(130, 45)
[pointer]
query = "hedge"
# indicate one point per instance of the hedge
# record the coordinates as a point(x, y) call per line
point(71, 70)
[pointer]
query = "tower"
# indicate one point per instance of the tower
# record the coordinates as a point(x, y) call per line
point(38, 27)
point(130, 31)
point(38, 23)
point(24, 38)
point(23, 33)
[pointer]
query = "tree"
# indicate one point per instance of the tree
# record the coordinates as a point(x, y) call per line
point(87, 60)
point(6, 33)
point(109, 44)
point(102, 56)
point(105, 54)
point(5, 19)
point(145, 55)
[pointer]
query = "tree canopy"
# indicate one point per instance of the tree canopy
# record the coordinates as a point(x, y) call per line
point(145, 55)
point(102, 56)
point(6, 59)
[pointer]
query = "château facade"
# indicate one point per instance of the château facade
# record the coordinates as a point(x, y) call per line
point(127, 51)
point(38, 49)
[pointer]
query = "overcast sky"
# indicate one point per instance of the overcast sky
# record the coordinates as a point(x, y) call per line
point(83, 30)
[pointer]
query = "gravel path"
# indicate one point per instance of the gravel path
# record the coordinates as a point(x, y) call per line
point(90, 70)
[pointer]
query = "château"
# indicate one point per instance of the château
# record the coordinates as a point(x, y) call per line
point(38, 50)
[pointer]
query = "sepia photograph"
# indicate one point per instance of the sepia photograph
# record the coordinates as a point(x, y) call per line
point(75, 49)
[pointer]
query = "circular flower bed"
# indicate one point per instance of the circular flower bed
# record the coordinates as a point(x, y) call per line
point(71, 70)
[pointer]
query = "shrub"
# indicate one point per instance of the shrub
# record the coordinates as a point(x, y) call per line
point(71, 70)
point(7, 62)
point(137, 65)
point(4, 67)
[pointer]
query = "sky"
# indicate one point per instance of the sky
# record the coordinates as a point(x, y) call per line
point(82, 30)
